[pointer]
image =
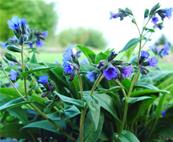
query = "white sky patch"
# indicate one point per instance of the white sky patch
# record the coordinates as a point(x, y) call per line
point(96, 13)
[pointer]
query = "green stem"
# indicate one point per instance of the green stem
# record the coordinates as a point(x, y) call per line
point(81, 129)
point(23, 71)
point(80, 85)
point(125, 105)
point(83, 111)
point(98, 80)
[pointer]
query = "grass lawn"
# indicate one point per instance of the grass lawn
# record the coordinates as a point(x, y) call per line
point(50, 57)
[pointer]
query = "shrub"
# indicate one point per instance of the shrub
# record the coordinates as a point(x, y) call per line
point(39, 15)
point(89, 37)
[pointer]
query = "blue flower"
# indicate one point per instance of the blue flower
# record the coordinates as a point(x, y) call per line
point(152, 61)
point(43, 79)
point(163, 113)
point(39, 43)
point(3, 44)
point(13, 75)
point(127, 71)
point(68, 60)
point(144, 54)
point(168, 12)
point(155, 20)
point(114, 15)
point(44, 34)
point(165, 13)
point(67, 56)
point(17, 24)
point(110, 72)
point(165, 50)
point(91, 76)
point(68, 69)
point(14, 23)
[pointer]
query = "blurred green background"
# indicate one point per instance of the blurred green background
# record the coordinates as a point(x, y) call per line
point(42, 16)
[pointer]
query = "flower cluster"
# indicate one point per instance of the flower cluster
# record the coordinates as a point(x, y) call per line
point(160, 15)
point(122, 13)
point(162, 47)
point(23, 35)
point(146, 60)
point(70, 61)
point(111, 69)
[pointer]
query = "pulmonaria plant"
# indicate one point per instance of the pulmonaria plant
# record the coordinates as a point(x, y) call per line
point(94, 95)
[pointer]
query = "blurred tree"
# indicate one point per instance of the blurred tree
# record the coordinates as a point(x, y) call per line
point(38, 14)
point(88, 37)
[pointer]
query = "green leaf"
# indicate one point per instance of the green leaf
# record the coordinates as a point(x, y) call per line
point(46, 125)
point(71, 112)
point(8, 93)
point(132, 100)
point(154, 9)
point(19, 113)
point(90, 134)
point(33, 58)
point(13, 48)
point(70, 100)
point(10, 57)
point(40, 68)
point(128, 11)
point(12, 130)
point(147, 91)
point(94, 109)
point(131, 44)
point(127, 136)
point(146, 13)
point(13, 103)
point(101, 56)
point(106, 102)
point(88, 53)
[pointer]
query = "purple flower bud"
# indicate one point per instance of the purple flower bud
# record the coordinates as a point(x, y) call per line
point(144, 54)
point(43, 79)
point(110, 72)
point(112, 56)
point(127, 71)
point(13, 75)
point(91, 76)
point(152, 61)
